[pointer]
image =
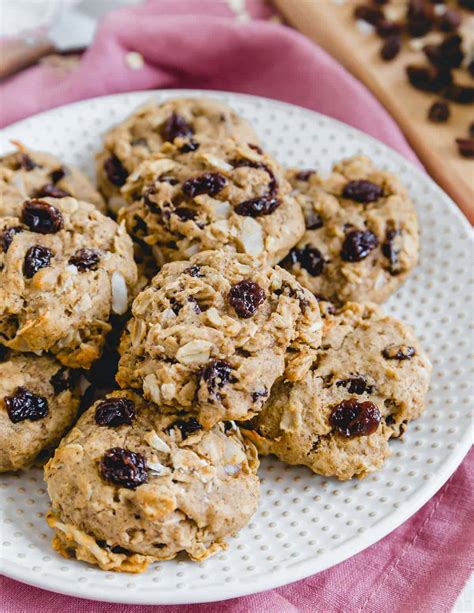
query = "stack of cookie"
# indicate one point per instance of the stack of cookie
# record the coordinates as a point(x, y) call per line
point(253, 329)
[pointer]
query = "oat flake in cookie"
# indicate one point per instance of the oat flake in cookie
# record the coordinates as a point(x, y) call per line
point(127, 494)
point(209, 335)
point(370, 378)
point(38, 403)
point(361, 239)
point(65, 269)
point(144, 132)
point(30, 174)
point(228, 196)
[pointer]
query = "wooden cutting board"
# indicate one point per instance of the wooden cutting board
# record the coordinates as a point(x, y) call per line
point(333, 26)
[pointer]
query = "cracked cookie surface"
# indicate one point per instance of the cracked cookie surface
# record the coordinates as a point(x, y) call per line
point(370, 378)
point(361, 239)
point(130, 485)
point(64, 270)
point(30, 174)
point(143, 133)
point(210, 335)
point(38, 403)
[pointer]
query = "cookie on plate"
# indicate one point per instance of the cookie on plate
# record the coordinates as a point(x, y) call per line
point(361, 239)
point(34, 174)
point(370, 378)
point(64, 270)
point(228, 196)
point(130, 485)
point(144, 132)
point(209, 335)
point(38, 403)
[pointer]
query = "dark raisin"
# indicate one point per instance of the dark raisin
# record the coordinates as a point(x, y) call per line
point(470, 68)
point(272, 184)
point(256, 207)
point(246, 296)
point(461, 94)
point(85, 259)
point(192, 145)
point(312, 220)
point(186, 426)
point(398, 352)
point(362, 191)
point(3, 353)
point(450, 20)
point(26, 162)
point(310, 258)
point(175, 126)
point(116, 172)
point(386, 29)
point(391, 48)
point(208, 183)
point(390, 250)
point(185, 213)
point(420, 18)
point(51, 191)
point(58, 174)
point(371, 14)
point(448, 54)
point(216, 374)
point(61, 380)
point(193, 271)
point(428, 78)
point(41, 217)
point(356, 385)
point(120, 550)
point(230, 427)
point(259, 394)
point(7, 236)
point(466, 4)
point(304, 175)
point(36, 257)
point(353, 418)
point(466, 147)
point(114, 412)
point(471, 129)
point(256, 148)
point(175, 305)
point(438, 112)
point(357, 245)
point(23, 404)
point(124, 468)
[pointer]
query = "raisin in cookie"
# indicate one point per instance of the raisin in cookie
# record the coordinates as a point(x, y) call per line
point(209, 335)
point(64, 270)
point(144, 132)
point(369, 380)
point(34, 174)
point(38, 402)
point(361, 239)
point(229, 196)
point(130, 486)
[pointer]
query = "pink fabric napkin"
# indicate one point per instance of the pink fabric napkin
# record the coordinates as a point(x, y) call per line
point(421, 566)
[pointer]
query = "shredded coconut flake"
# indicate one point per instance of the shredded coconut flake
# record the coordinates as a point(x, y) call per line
point(156, 442)
point(119, 294)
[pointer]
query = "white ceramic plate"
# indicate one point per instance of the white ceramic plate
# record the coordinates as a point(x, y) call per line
point(305, 523)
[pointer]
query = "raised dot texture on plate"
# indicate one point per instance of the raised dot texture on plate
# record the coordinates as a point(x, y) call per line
point(309, 515)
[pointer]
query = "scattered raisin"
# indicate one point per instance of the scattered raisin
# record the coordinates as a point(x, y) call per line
point(23, 404)
point(256, 148)
point(26, 162)
point(370, 14)
point(259, 394)
point(471, 129)
point(124, 468)
point(387, 29)
point(470, 68)
point(398, 352)
point(51, 191)
point(216, 374)
point(114, 412)
point(193, 271)
point(7, 236)
point(353, 418)
point(466, 147)
point(230, 427)
point(272, 184)
point(461, 94)
point(256, 207)
point(420, 18)
point(448, 54)
point(186, 426)
point(61, 380)
point(310, 258)
point(450, 20)
point(391, 48)
point(210, 183)
point(116, 172)
point(312, 220)
point(304, 175)
point(357, 245)
point(246, 296)
point(428, 78)
point(58, 174)
point(192, 145)
point(438, 112)
point(85, 259)
point(362, 191)
point(185, 213)
point(356, 385)
point(36, 257)
point(175, 126)
point(41, 217)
